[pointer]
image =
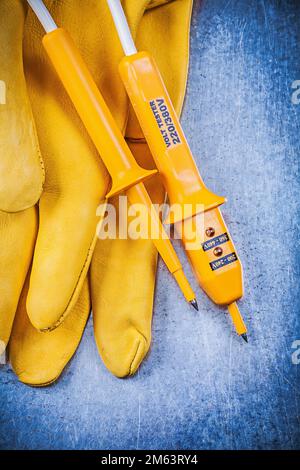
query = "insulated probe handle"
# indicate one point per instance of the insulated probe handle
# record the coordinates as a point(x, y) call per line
point(93, 111)
point(165, 137)
point(125, 172)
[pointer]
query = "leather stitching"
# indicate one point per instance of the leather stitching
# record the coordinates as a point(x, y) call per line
point(66, 312)
point(131, 372)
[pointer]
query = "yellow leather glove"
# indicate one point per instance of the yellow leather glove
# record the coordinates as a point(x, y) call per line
point(59, 235)
point(123, 271)
point(75, 179)
point(21, 167)
point(123, 336)
point(62, 229)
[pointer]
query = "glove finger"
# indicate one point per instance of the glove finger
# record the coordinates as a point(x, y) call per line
point(17, 233)
point(122, 288)
point(76, 181)
point(21, 167)
point(38, 359)
point(123, 316)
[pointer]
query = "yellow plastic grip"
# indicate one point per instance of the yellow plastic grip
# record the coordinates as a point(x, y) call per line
point(215, 261)
point(93, 112)
point(165, 137)
point(125, 172)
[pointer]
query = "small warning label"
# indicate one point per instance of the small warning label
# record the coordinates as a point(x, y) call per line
point(219, 263)
point(213, 242)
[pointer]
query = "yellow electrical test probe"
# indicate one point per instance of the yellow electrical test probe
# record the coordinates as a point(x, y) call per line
point(126, 174)
point(216, 263)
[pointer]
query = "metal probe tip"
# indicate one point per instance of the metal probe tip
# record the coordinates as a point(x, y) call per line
point(194, 304)
point(245, 337)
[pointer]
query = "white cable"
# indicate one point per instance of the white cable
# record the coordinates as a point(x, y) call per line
point(43, 15)
point(122, 27)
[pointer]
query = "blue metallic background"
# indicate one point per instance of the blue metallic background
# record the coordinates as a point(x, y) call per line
point(202, 387)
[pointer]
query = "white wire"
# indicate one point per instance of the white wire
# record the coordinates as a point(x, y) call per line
point(122, 26)
point(43, 15)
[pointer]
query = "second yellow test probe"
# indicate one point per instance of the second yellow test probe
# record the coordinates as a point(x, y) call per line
point(126, 174)
point(215, 262)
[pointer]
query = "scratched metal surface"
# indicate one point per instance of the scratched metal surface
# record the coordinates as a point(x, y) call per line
point(201, 387)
